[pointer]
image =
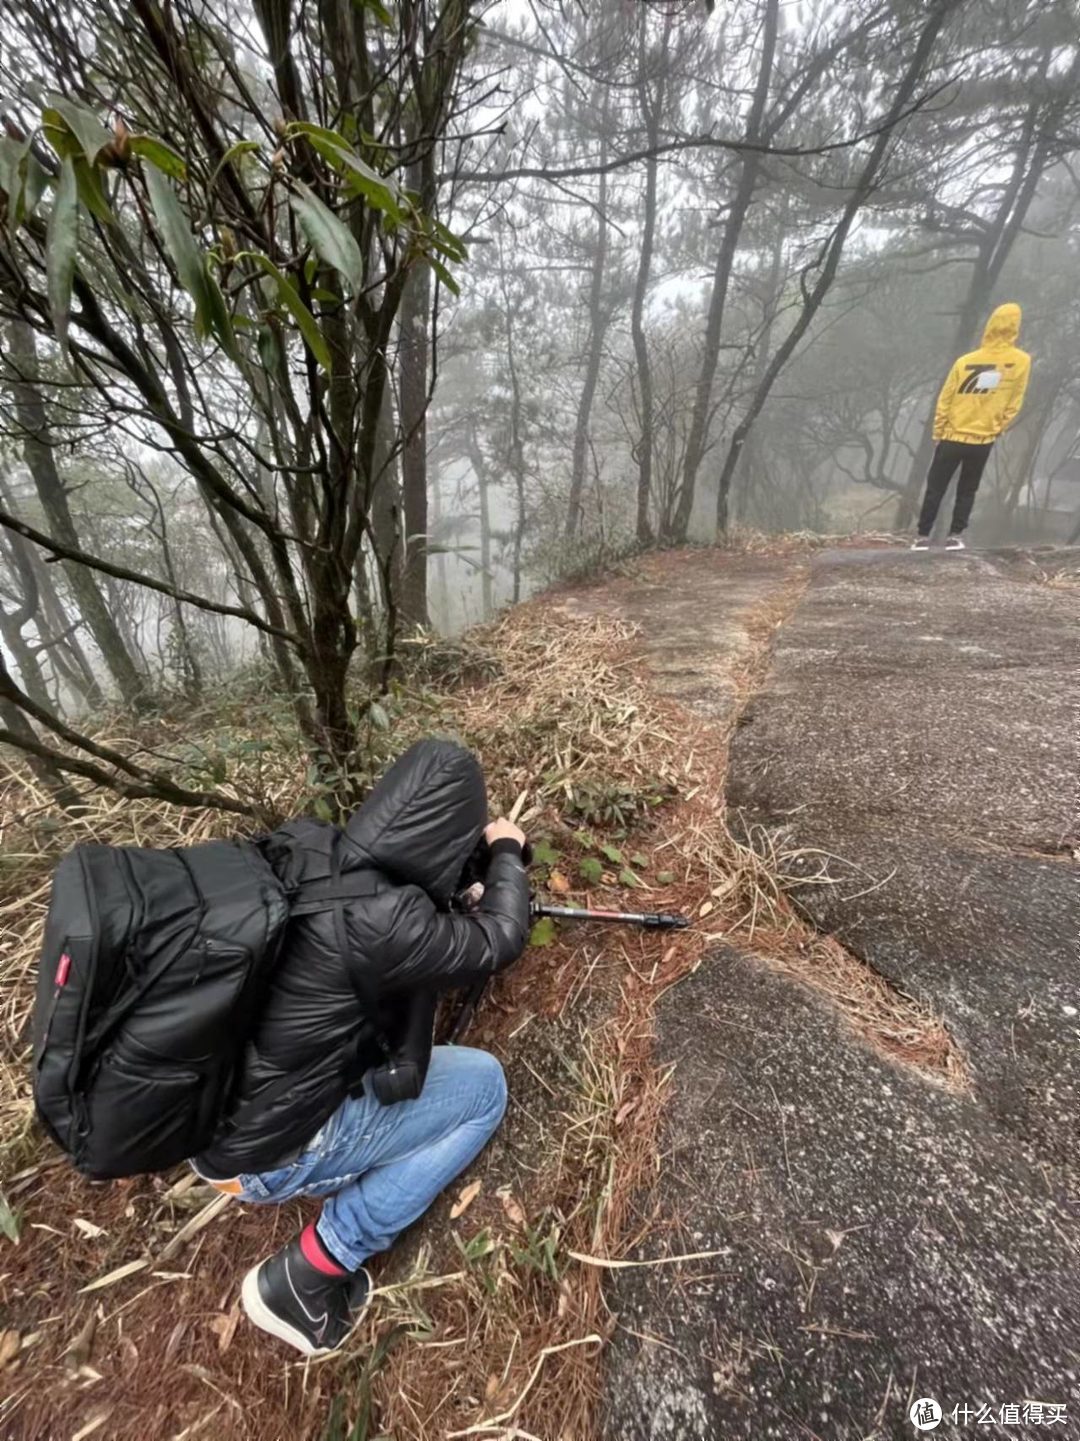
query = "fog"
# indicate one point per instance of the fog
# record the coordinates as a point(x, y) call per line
point(341, 325)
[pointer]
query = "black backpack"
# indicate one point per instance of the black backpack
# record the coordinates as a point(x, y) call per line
point(153, 968)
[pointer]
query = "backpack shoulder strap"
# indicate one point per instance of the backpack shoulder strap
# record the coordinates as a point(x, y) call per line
point(331, 896)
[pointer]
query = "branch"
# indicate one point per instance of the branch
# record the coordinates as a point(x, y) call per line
point(120, 572)
point(158, 789)
point(135, 781)
point(694, 142)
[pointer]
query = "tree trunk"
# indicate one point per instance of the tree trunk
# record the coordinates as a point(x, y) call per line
point(517, 445)
point(414, 353)
point(651, 110)
point(41, 462)
point(442, 582)
point(598, 321)
point(697, 442)
point(487, 598)
point(752, 452)
point(864, 187)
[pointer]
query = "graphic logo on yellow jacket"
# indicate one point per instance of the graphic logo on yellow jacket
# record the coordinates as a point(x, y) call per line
point(985, 389)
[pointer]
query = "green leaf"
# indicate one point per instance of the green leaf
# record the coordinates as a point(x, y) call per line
point(13, 158)
point(91, 135)
point(179, 242)
point(269, 349)
point(379, 718)
point(376, 8)
point(665, 878)
point(35, 186)
point(543, 932)
point(332, 240)
point(627, 878)
point(449, 244)
point(362, 179)
point(92, 191)
point(544, 854)
point(591, 871)
point(12, 154)
point(61, 247)
point(309, 329)
point(218, 317)
point(159, 154)
point(612, 852)
point(290, 298)
point(478, 1246)
point(242, 147)
point(639, 860)
point(10, 1221)
point(444, 275)
point(211, 312)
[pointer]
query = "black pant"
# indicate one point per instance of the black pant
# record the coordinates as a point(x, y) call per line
point(972, 462)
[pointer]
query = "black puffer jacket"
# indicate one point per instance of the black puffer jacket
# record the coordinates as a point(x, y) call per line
point(313, 1042)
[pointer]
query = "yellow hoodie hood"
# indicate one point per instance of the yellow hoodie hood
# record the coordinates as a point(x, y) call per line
point(1003, 327)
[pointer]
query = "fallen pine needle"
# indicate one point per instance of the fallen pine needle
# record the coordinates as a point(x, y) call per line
point(608, 1265)
point(497, 1421)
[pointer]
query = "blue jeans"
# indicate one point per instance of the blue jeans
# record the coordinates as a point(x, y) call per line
point(382, 1166)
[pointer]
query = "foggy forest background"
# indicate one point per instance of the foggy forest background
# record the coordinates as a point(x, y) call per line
point(321, 322)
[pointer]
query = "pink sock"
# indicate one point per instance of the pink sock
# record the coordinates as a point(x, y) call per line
point(316, 1254)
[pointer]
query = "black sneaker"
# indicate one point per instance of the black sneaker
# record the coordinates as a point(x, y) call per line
point(921, 542)
point(291, 1299)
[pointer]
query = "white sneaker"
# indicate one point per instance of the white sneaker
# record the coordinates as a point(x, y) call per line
point(920, 543)
point(955, 542)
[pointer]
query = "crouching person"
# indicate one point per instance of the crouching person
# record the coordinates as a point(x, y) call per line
point(340, 1093)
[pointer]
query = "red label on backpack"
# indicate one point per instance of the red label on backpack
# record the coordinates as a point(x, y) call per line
point(63, 969)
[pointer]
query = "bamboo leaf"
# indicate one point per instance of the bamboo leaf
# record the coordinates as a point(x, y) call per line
point(159, 154)
point(112, 1277)
point(333, 241)
point(10, 1221)
point(92, 136)
point(61, 246)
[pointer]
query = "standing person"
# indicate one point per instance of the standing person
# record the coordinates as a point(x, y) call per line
point(346, 1031)
point(980, 399)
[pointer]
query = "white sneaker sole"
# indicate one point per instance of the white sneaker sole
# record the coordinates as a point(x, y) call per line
point(259, 1314)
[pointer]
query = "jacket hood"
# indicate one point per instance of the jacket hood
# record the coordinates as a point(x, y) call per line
point(423, 819)
point(1003, 327)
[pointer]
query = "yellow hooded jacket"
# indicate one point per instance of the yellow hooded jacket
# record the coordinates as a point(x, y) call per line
point(985, 388)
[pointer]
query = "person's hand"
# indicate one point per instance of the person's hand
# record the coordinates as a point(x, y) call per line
point(504, 830)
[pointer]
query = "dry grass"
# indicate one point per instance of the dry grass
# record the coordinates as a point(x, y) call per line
point(486, 1325)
